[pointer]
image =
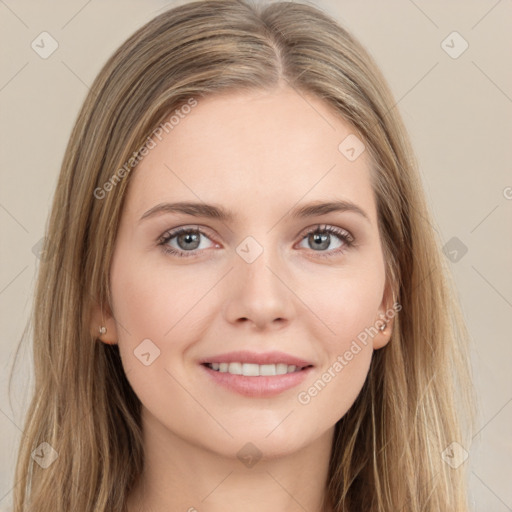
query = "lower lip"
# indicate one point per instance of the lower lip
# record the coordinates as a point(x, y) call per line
point(260, 386)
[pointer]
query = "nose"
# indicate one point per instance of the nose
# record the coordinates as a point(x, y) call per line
point(258, 293)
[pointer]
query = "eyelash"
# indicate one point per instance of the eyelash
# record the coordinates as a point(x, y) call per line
point(345, 236)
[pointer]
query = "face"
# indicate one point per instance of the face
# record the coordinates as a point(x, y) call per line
point(263, 279)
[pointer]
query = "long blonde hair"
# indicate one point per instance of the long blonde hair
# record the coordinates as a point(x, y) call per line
point(418, 397)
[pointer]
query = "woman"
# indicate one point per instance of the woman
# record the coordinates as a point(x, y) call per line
point(306, 352)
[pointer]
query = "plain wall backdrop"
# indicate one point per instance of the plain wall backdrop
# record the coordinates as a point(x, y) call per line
point(448, 65)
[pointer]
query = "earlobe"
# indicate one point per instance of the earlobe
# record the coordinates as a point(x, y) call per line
point(383, 336)
point(103, 326)
point(384, 324)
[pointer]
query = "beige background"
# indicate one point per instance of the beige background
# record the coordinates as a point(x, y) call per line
point(459, 115)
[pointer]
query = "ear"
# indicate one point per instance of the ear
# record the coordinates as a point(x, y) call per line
point(101, 318)
point(385, 318)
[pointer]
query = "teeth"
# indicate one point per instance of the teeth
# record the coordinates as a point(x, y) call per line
point(281, 368)
point(254, 370)
point(249, 370)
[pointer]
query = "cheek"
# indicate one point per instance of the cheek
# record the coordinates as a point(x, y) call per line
point(150, 308)
point(148, 299)
point(349, 309)
point(137, 298)
point(336, 386)
point(151, 302)
point(347, 303)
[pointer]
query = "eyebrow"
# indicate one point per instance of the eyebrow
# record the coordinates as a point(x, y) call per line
point(211, 211)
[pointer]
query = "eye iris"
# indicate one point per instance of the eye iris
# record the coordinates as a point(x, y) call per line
point(322, 239)
point(190, 236)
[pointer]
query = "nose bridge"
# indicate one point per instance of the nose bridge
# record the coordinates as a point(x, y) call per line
point(258, 266)
point(257, 291)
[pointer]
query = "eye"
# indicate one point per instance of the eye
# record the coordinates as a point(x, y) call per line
point(188, 240)
point(320, 238)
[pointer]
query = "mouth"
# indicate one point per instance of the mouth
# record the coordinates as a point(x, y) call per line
point(255, 380)
point(255, 370)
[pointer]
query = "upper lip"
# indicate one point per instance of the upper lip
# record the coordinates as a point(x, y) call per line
point(244, 356)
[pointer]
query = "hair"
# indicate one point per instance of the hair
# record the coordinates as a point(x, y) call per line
point(418, 396)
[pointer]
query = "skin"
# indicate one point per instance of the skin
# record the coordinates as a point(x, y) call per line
point(257, 154)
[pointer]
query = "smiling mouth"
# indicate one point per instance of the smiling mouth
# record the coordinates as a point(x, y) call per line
point(255, 370)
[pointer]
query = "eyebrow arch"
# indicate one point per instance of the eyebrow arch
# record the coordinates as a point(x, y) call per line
point(313, 209)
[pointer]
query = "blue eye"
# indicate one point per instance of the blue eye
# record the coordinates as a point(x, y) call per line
point(321, 236)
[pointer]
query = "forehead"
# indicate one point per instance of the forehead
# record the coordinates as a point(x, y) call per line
point(251, 149)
